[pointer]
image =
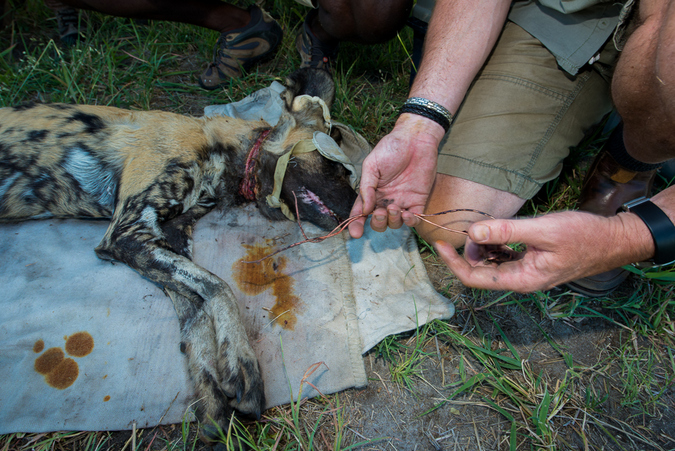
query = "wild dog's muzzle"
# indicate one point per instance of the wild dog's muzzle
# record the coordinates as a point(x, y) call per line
point(327, 147)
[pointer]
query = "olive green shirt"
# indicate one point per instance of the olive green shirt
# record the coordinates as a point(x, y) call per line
point(572, 30)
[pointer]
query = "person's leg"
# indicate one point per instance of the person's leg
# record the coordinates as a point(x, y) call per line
point(453, 192)
point(626, 167)
point(361, 21)
point(67, 21)
point(212, 14)
point(239, 49)
point(333, 21)
point(644, 84)
point(247, 35)
point(511, 134)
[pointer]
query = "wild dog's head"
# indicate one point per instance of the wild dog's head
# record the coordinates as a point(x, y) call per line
point(301, 161)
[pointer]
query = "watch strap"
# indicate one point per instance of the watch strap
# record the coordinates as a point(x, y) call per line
point(659, 225)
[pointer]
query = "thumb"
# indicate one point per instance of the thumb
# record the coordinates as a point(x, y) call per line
point(498, 231)
point(367, 195)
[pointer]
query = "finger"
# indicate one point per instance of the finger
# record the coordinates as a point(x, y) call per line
point(485, 277)
point(367, 193)
point(410, 219)
point(394, 220)
point(462, 269)
point(378, 220)
point(455, 262)
point(499, 231)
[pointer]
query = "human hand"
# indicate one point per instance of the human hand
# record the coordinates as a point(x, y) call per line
point(397, 175)
point(560, 247)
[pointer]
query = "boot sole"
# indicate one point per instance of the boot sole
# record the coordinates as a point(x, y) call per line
point(599, 285)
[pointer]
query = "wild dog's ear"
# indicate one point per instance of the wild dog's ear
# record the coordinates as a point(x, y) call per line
point(312, 82)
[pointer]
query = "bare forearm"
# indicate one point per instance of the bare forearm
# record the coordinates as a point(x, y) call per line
point(460, 37)
point(635, 242)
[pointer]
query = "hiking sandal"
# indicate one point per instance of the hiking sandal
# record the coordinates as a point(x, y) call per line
point(67, 24)
point(313, 52)
point(239, 49)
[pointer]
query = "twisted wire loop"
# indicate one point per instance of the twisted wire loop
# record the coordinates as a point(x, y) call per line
point(456, 210)
point(344, 224)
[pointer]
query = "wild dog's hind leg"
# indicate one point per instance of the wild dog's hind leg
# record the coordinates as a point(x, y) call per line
point(221, 361)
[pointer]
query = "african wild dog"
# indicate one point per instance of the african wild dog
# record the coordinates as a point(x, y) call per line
point(154, 174)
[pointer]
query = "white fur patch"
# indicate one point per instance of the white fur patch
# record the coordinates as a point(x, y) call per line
point(91, 176)
point(45, 215)
point(206, 179)
point(306, 101)
point(149, 218)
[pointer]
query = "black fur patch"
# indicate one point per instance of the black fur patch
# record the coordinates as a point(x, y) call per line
point(60, 106)
point(24, 107)
point(37, 135)
point(93, 124)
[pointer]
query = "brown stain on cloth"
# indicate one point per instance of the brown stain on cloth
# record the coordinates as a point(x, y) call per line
point(39, 346)
point(61, 372)
point(80, 344)
point(256, 278)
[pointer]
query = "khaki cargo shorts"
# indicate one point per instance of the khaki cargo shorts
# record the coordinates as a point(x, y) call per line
point(522, 115)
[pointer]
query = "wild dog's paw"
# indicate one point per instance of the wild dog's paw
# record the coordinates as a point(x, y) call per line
point(239, 373)
point(238, 392)
point(241, 380)
point(213, 407)
point(221, 362)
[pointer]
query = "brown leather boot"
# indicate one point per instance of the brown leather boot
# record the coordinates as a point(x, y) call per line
point(607, 186)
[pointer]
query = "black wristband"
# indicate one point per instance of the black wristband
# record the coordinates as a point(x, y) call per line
point(429, 109)
point(659, 225)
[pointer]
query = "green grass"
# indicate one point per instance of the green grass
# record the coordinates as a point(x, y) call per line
point(155, 66)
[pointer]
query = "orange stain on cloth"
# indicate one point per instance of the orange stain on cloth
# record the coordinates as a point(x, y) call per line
point(256, 278)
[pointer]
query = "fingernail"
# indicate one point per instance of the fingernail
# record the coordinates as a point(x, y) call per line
point(480, 232)
point(379, 218)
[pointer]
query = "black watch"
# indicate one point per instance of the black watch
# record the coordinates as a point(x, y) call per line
point(661, 228)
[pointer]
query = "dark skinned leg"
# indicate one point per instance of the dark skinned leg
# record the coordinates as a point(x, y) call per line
point(211, 14)
point(361, 21)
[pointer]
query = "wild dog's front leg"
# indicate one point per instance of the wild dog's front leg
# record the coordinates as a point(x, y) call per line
point(225, 379)
point(220, 359)
point(215, 331)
